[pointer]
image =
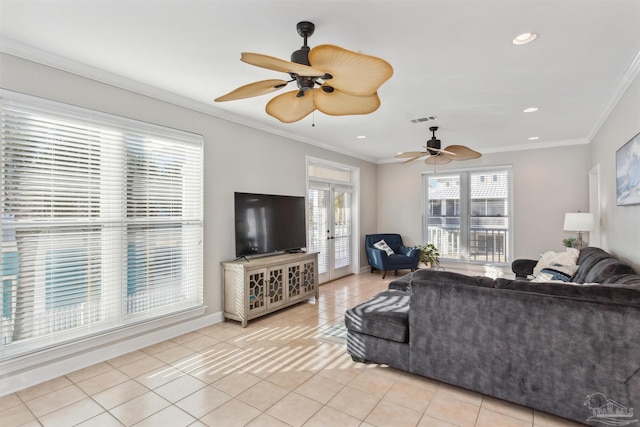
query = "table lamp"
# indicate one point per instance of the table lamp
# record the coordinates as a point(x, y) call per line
point(580, 222)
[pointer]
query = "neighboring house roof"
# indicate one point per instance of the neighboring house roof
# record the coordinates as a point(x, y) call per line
point(489, 189)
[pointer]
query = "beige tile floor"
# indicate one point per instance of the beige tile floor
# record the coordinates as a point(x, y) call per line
point(272, 373)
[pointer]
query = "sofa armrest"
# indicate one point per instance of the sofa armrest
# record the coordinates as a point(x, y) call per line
point(523, 267)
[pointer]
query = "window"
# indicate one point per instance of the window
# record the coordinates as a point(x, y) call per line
point(469, 214)
point(101, 223)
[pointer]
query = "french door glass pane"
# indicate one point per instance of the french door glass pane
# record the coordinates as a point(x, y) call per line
point(342, 229)
point(318, 226)
point(443, 223)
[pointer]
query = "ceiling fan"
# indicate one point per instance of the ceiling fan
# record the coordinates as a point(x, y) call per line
point(334, 80)
point(438, 156)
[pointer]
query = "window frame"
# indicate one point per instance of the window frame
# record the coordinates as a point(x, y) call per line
point(465, 212)
point(114, 219)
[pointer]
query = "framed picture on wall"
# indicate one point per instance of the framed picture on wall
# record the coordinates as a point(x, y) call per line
point(628, 173)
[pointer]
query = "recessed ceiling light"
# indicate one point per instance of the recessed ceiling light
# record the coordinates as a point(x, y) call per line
point(533, 138)
point(524, 38)
point(530, 110)
point(361, 136)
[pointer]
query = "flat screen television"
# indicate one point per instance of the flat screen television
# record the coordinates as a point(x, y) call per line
point(268, 223)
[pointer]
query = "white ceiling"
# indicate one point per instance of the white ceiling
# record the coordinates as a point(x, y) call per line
point(452, 59)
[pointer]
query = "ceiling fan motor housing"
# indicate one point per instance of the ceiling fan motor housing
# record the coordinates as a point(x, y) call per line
point(433, 142)
point(301, 56)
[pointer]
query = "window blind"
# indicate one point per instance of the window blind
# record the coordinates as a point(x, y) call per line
point(101, 223)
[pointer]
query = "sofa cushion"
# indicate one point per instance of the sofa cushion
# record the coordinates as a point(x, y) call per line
point(587, 261)
point(624, 280)
point(449, 278)
point(606, 268)
point(627, 295)
point(402, 283)
point(386, 315)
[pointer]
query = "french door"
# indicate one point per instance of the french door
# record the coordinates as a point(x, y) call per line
point(330, 229)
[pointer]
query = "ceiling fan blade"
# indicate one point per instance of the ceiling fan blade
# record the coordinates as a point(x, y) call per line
point(353, 73)
point(338, 103)
point(253, 89)
point(288, 108)
point(416, 157)
point(462, 153)
point(407, 154)
point(437, 160)
point(276, 64)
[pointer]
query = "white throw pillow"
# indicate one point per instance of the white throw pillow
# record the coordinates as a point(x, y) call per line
point(570, 257)
point(545, 277)
point(382, 245)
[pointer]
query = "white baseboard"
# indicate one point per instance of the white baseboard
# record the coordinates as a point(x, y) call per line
point(21, 379)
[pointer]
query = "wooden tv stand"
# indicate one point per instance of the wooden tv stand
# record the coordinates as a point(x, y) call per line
point(263, 285)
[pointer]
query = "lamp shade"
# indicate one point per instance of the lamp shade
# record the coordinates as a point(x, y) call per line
point(578, 221)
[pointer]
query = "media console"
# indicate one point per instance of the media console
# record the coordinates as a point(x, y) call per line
point(263, 285)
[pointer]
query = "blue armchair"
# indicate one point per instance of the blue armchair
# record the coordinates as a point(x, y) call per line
point(402, 258)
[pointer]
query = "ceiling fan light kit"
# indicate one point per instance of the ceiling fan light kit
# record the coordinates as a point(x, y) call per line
point(331, 79)
point(435, 155)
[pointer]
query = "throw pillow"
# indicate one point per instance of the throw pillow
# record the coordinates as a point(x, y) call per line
point(560, 272)
point(565, 270)
point(570, 257)
point(382, 245)
point(543, 277)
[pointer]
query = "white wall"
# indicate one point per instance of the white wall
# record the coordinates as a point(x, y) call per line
point(546, 184)
point(620, 224)
point(237, 158)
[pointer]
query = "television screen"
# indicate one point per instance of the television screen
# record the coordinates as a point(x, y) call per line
point(266, 223)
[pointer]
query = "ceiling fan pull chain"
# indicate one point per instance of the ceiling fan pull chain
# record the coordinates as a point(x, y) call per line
point(313, 113)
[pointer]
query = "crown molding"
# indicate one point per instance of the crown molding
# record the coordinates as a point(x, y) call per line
point(521, 147)
point(627, 78)
point(29, 53)
point(11, 47)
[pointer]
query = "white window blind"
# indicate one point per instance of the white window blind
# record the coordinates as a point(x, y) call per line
point(101, 223)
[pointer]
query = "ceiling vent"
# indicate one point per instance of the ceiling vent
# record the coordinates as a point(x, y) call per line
point(424, 119)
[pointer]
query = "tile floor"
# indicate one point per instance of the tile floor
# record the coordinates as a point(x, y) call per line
point(273, 373)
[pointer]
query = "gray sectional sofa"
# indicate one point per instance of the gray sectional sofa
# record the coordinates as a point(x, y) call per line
point(571, 350)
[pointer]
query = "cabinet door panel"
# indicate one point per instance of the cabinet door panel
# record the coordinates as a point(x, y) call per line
point(276, 286)
point(308, 277)
point(293, 280)
point(256, 295)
